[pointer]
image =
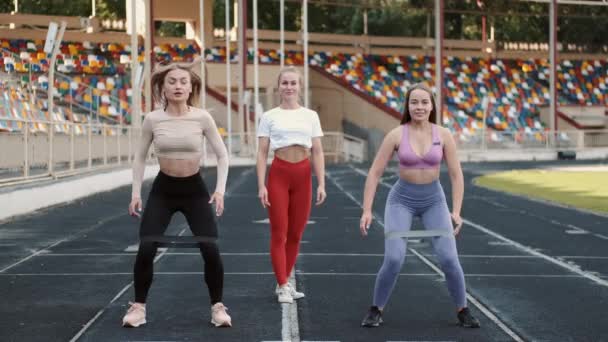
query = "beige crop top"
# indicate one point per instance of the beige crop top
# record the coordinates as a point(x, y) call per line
point(179, 137)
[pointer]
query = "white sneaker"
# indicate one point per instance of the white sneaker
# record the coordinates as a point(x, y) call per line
point(135, 316)
point(284, 294)
point(294, 294)
point(219, 316)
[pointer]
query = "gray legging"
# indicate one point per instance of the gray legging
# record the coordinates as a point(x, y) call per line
point(406, 200)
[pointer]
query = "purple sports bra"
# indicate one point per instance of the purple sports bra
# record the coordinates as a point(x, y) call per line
point(408, 159)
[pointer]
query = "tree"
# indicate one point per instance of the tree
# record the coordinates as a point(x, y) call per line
point(79, 8)
point(111, 9)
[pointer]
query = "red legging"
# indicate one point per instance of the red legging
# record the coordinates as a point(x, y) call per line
point(289, 194)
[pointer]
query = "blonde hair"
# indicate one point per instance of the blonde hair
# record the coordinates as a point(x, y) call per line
point(290, 69)
point(161, 71)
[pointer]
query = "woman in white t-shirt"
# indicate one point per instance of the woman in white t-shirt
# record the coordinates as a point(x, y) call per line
point(294, 134)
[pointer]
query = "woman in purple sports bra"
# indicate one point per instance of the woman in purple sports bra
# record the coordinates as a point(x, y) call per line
point(421, 146)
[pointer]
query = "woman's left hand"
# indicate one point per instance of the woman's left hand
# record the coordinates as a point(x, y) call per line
point(218, 198)
point(457, 223)
point(321, 195)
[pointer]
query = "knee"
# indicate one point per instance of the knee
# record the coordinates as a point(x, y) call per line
point(145, 256)
point(294, 236)
point(147, 250)
point(278, 239)
point(449, 263)
point(393, 263)
point(209, 250)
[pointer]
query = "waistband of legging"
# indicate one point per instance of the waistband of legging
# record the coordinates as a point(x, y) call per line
point(403, 185)
point(281, 162)
point(188, 179)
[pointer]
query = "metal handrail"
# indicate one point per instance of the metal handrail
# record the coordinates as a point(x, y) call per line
point(106, 146)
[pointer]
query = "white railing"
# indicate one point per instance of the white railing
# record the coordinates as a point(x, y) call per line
point(28, 154)
point(337, 147)
point(575, 140)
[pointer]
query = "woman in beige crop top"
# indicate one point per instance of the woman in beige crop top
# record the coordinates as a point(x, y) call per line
point(177, 132)
point(295, 133)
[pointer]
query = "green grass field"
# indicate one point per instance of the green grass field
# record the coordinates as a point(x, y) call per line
point(579, 189)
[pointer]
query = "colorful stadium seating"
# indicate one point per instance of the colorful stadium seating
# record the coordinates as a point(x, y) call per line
point(516, 88)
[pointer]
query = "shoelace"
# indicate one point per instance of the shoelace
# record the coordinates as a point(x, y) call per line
point(292, 290)
point(135, 306)
point(220, 307)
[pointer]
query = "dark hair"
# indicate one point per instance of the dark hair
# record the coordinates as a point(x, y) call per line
point(406, 112)
point(158, 81)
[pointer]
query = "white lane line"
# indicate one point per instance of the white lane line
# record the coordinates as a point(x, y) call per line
point(470, 298)
point(546, 202)
point(468, 275)
point(498, 243)
point(575, 230)
point(267, 221)
point(582, 257)
point(572, 229)
point(118, 295)
point(423, 341)
point(529, 250)
point(67, 238)
point(601, 236)
point(135, 247)
point(475, 302)
point(480, 256)
point(238, 182)
point(472, 256)
point(198, 254)
point(328, 274)
point(290, 329)
point(485, 199)
point(536, 253)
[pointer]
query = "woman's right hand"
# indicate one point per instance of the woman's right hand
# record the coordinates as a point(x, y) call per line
point(135, 207)
point(263, 196)
point(366, 221)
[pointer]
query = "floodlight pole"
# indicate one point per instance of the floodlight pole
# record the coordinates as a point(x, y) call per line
point(553, 68)
point(438, 61)
point(228, 78)
point(51, 91)
point(256, 76)
point(305, 51)
point(201, 35)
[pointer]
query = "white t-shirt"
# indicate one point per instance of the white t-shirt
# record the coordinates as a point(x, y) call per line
point(287, 127)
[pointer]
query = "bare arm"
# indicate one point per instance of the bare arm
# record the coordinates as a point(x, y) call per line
point(263, 146)
point(384, 155)
point(139, 161)
point(318, 163)
point(217, 144)
point(456, 177)
point(139, 164)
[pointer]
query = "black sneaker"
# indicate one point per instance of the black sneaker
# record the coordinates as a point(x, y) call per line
point(373, 318)
point(466, 319)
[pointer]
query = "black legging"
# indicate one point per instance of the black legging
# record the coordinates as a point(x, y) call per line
point(188, 195)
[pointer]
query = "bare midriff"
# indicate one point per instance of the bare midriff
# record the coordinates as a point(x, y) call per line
point(293, 153)
point(179, 167)
point(419, 176)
